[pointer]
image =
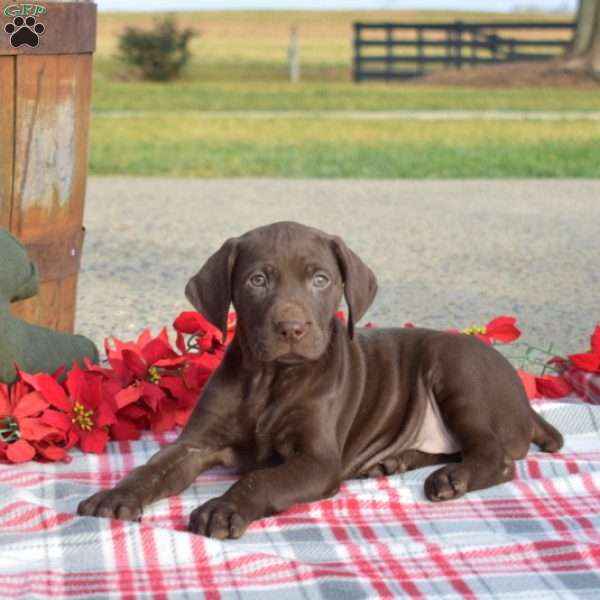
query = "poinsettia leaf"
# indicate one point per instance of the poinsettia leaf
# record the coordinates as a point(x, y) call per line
point(90, 367)
point(553, 386)
point(586, 361)
point(503, 329)
point(505, 334)
point(164, 419)
point(130, 394)
point(208, 342)
point(110, 388)
point(163, 335)
point(93, 441)
point(558, 361)
point(144, 338)
point(58, 373)
point(56, 419)
point(124, 430)
point(92, 392)
point(75, 382)
point(52, 391)
point(157, 350)
point(20, 451)
point(194, 376)
point(20, 387)
point(207, 361)
point(34, 429)
point(103, 415)
point(134, 412)
point(502, 321)
point(190, 322)
point(528, 381)
point(152, 396)
point(134, 363)
point(595, 340)
point(178, 390)
point(5, 404)
point(171, 363)
point(182, 415)
point(120, 371)
point(72, 438)
point(29, 405)
point(180, 343)
point(54, 453)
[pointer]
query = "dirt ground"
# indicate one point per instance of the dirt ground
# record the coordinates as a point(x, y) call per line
point(522, 74)
point(448, 253)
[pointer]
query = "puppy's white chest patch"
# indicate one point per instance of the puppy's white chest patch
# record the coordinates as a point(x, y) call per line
point(433, 436)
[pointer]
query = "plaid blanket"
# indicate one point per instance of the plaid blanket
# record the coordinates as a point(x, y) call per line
point(538, 536)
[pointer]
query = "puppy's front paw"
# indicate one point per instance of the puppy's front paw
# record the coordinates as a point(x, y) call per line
point(112, 504)
point(451, 481)
point(219, 518)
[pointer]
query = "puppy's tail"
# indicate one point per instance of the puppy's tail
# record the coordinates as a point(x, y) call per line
point(547, 437)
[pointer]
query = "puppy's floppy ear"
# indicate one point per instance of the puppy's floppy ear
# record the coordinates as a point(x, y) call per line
point(360, 284)
point(209, 290)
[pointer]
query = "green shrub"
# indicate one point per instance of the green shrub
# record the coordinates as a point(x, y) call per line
point(160, 53)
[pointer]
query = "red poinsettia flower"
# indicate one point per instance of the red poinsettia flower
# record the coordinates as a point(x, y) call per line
point(500, 329)
point(553, 386)
point(588, 361)
point(84, 415)
point(193, 323)
point(24, 432)
point(91, 414)
point(147, 384)
point(529, 383)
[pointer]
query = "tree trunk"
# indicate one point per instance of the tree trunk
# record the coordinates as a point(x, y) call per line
point(584, 53)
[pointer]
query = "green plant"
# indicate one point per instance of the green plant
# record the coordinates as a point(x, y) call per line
point(160, 53)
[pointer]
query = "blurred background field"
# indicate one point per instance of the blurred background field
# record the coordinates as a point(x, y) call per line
point(234, 113)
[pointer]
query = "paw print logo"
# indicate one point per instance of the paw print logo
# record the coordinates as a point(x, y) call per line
point(24, 32)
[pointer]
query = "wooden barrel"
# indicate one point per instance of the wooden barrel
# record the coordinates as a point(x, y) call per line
point(45, 92)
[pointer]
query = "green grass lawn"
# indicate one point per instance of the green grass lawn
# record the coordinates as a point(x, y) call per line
point(239, 65)
point(331, 95)
point(231, 147)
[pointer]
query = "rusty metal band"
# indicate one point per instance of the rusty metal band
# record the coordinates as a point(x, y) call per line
point(57, 255)
point(57, 27)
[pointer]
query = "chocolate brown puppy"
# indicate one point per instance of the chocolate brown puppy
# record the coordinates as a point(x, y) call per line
point(302, 402)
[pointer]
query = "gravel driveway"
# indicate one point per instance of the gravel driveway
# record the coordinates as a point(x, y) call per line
point(446, 253)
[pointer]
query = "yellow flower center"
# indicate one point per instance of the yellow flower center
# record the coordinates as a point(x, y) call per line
point(474, 330)
point(153, 375)
point(83, 417)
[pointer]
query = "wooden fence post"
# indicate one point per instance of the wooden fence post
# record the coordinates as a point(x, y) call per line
point(420, 61)
point(45, 91)
point(356, 75)
point(294, 55)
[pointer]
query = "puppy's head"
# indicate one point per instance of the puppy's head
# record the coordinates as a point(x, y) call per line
point(286, 282)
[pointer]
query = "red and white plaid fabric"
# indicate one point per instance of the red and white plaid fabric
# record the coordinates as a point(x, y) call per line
point(587, 385)
point(538, 536)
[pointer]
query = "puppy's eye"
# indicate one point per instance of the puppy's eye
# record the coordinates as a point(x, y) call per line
point(320, 280)
point(258, 280)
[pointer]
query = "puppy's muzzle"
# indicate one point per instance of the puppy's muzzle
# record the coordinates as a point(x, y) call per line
point(291, 331)
point(293, 335)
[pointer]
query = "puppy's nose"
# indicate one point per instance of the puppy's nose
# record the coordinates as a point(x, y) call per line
point(291, 331)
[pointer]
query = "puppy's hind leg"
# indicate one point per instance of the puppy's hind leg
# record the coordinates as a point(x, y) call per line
point(485, 461)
